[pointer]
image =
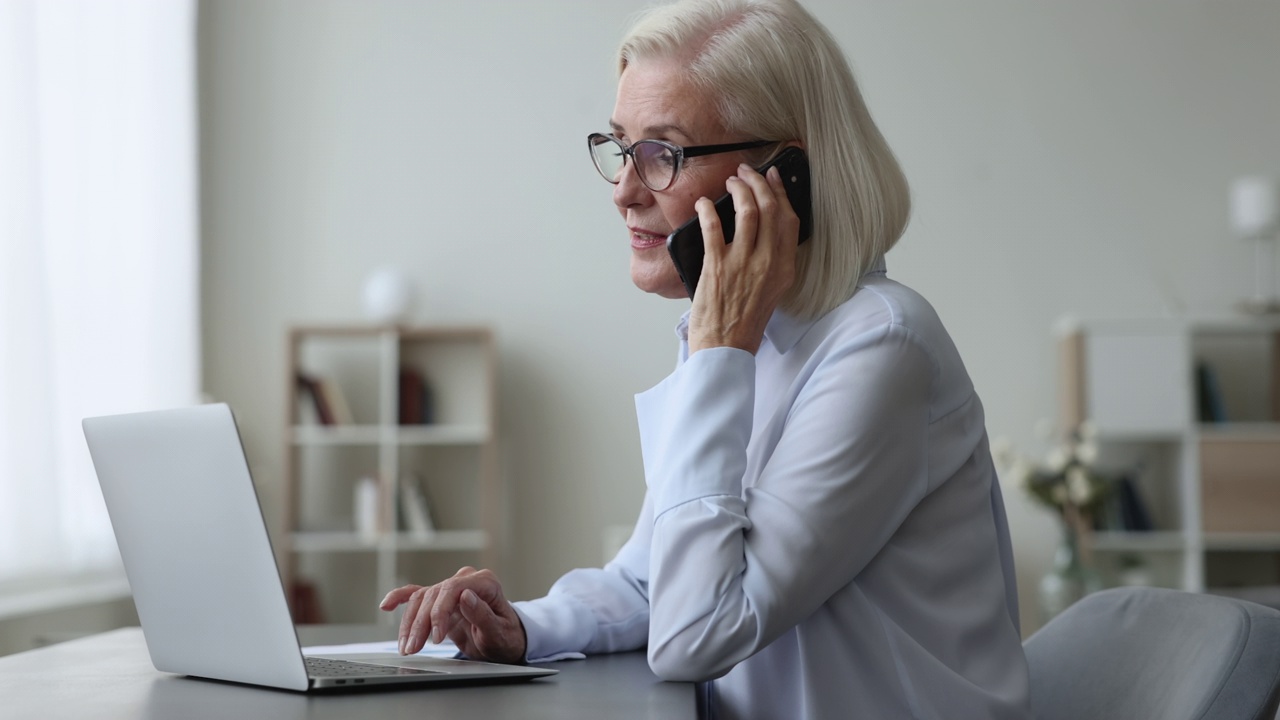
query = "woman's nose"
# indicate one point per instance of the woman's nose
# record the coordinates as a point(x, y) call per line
point(629, 191)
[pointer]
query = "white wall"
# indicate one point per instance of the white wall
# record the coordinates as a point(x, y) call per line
point(1065, 157)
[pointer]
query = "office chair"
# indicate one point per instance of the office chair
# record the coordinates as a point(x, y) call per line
point(1139, 653)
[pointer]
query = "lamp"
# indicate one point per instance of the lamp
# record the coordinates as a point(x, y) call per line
point(1255, 216)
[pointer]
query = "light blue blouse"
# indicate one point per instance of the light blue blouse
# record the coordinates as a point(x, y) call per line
point(823, 535)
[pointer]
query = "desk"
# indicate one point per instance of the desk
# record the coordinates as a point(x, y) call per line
point(110, 677)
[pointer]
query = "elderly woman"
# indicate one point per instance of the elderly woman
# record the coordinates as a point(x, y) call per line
point(823, 535)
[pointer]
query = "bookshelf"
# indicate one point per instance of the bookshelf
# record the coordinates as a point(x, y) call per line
point(410, 413)
point(1191, 408)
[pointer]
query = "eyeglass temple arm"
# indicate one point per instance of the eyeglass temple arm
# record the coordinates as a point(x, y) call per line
point(727, 147)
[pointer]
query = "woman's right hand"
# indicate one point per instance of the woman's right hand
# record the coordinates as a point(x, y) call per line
point(468, 608)
point(742, 282)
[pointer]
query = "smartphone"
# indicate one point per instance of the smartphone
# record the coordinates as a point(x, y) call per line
point(685, 244)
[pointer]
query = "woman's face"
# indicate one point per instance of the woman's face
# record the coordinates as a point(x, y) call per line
point(654, 102)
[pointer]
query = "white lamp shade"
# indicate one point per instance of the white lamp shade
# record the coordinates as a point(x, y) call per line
point(1255, 206)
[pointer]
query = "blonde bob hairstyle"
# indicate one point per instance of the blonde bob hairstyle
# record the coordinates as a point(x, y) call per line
point(776, 73)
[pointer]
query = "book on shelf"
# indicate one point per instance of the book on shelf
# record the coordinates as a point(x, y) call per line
point(337, 401)
point(1124, 510)
point(304, 599)
point(326, 398)
point(1209, 405)
point(366, 508)
point(415, 401)
point(309, 388)
point(415, 509)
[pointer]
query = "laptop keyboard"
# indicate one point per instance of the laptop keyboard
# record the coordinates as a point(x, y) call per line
point(324, 667)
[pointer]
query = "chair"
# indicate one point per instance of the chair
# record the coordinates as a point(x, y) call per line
point(1138, 653)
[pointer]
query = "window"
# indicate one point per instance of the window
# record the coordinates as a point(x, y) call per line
point(98, 256)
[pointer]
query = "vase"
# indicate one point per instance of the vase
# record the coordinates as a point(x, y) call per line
point(1068, 580)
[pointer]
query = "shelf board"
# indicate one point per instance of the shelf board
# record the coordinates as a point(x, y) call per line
point(354, 542)
point(1156, 541)
point(443, 540)
point(1240, 430)
point(1242, 541)
point(1171, 541)
point(1140, 436)
point(333, 542)
point(456, 434)
point(449, 434)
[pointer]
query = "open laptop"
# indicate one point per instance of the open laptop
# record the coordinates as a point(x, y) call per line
point(200, 563)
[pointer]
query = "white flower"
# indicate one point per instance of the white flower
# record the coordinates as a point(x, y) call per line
point(1079, 489)
point(1087, 452)
point(1056, 460)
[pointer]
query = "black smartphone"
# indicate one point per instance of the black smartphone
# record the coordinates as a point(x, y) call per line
point(685, 244)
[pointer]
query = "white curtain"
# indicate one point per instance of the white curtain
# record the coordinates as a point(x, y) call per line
point(98, 255)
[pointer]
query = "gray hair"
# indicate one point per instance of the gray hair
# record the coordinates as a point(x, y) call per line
point(776, 73)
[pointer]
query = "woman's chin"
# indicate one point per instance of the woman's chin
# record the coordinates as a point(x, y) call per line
point(662, 282)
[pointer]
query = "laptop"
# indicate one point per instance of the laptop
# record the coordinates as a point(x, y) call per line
point(201, 567)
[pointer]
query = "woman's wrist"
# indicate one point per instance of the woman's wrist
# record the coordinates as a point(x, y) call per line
point(735, 337)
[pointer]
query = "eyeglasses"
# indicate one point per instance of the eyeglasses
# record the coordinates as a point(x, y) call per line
point(658, 162)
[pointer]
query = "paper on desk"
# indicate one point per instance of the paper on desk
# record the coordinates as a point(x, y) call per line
point(445, 649)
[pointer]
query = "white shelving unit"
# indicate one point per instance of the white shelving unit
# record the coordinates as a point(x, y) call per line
point(1212, 488)
point(349, 568)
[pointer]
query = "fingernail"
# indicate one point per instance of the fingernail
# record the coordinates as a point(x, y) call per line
point(402, 646)
point(744, 166)
point(412, 643)
point(435, 636)
point(470, 598)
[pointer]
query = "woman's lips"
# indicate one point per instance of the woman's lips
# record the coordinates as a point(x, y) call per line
point(643, 239)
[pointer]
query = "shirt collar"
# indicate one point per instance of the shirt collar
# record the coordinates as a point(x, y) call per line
point(783, 330)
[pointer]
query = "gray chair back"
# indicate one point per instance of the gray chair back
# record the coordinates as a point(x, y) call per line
point(1138, 653)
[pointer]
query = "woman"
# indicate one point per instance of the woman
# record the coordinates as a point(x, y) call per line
point(822, 534)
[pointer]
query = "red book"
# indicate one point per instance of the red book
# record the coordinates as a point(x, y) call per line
point(411, 388)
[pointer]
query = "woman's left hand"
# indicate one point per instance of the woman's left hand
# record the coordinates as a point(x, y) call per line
point(743, 281)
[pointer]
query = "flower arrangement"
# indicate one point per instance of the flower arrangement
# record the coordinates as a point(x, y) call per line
point(1067, 480)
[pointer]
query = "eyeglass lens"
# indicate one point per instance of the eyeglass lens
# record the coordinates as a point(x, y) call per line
point(655, 163)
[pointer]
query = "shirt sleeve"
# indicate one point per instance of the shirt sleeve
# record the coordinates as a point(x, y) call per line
point(732, 568)
point(595, 610)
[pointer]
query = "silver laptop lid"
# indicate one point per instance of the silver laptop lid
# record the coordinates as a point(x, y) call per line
point(194, 545)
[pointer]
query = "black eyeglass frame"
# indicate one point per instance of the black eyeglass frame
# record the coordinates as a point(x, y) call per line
point(678, 152)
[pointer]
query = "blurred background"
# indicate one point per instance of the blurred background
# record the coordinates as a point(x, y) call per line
point(186, 184)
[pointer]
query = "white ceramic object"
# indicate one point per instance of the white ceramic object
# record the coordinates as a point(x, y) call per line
point(388, 296)
point(1255, 206)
